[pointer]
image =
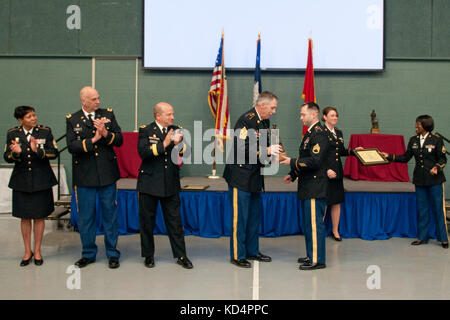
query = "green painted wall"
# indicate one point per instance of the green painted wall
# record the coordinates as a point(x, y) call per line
point(49, 77)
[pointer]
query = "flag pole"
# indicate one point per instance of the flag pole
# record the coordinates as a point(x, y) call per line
point(213, 173)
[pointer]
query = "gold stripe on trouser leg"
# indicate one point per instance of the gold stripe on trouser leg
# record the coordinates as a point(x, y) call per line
point(445, 211)
point(76, 198)
point(235, 219)
point(314, 230)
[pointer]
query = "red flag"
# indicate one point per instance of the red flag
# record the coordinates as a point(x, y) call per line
point(308, 87)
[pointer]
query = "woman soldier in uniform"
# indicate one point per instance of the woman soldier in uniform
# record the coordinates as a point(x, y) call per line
point(335, 171)
point(429, 152)
point(30, 147)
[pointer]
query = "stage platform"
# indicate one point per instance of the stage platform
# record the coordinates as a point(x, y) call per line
point(275, 184)
point(371, 211)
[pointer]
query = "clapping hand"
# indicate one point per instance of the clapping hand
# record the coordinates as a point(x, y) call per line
point(168, 138)
point(99, 124)
point(177, 136)
point(15, 147)
point(33, 144)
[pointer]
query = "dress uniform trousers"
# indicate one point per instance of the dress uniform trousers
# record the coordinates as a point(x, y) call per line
point(87, 225)
point(431, 197)
point(245, 223)
point(314, 228)
point(147, 215)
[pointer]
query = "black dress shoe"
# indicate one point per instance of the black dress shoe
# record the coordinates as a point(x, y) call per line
point(445, 245)
point(243, 263)
point(303, 260)
point(39, 262)
point(419, 242)
point(24, 263)
point(260, 257)
point(335, 238)
point(312, 266)
point(113, 263)
point(149, 262)
point(185, 262)
point(83, 262)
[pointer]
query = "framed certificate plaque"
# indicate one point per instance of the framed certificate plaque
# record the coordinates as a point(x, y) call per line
point(370, 157)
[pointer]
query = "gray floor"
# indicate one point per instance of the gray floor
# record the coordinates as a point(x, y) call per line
point(405, 272)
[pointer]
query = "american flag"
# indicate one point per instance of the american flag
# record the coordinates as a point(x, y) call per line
point(257, 87)
point(218, 98)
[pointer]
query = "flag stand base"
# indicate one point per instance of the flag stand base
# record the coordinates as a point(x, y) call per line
point(213, 175)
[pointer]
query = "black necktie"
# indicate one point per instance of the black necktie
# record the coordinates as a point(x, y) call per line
point(28, 136)
point(90, 119)
point(164, 131)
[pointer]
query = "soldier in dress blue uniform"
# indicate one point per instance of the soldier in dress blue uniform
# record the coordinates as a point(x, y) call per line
point(91, 134)
point(428, 150)
point(335, 171)
point(159, 146)
point(310, 168)
point(245, 181)
point(30, 147)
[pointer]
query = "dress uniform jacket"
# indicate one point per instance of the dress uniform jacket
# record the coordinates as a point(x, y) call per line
point(311, 167)
point(431, 154)
point(336, 150)
point(245, 174)
point(32, 171)
point(158, 175)
point(94, 165)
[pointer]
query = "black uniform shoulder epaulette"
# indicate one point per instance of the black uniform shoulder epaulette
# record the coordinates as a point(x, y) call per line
point(414, 136)
point(69, 116)
point(109, 110)
point(317, 128)
point(250, 115)
point(143, 126)
point(40, 126)
point(436, 134)
point(14, 129)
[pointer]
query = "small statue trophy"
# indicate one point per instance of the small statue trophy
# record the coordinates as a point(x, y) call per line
point(282, 155)
point(375, 128)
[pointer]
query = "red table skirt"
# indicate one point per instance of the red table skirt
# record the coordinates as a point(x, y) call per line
point(392, 144)
point(127, 156)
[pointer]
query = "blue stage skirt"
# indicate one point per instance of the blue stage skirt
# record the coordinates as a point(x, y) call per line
point(369, 216)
